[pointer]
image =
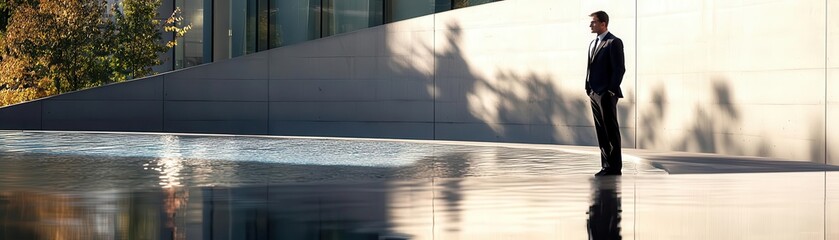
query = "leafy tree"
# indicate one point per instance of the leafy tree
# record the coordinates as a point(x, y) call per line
point(4, 16)
point(138, 37)
point(52, 46)
point(4, 20)
point(56, 46)
point(61, 41)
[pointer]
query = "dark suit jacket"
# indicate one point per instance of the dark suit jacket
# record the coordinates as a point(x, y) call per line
point(606, 67)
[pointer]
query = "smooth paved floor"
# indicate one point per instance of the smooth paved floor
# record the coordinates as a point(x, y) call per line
point(158, 186)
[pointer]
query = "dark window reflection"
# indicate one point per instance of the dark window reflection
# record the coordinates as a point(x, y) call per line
point(340, 16)
point(258, 212)
point(396, 10)
point(236, 28)
point(293, 21)
point(467, 3)
point(190, 49)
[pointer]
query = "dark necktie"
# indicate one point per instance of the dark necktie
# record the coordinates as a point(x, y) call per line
point(594, 49)
point(596, 46)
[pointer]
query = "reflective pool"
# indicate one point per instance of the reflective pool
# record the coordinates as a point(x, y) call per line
point(96, 161)
point(150, 186)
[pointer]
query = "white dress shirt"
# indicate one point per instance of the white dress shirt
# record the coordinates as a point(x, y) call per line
point(597, 43)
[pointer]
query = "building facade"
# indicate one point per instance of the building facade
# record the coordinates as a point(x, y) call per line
point(223, 29)
point(702, 76)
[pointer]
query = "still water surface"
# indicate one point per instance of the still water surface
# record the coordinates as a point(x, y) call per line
point(146, 186)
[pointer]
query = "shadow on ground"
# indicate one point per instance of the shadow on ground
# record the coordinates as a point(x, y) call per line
point(687, 163)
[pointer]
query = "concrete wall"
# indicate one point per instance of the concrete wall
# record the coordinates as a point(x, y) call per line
point(756, 78)
point(129, 106)
point(733, 77)
point(832, 83)
point(515, 71)
point(375, 82)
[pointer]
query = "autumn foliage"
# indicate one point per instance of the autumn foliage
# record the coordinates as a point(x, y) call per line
point(56, 46)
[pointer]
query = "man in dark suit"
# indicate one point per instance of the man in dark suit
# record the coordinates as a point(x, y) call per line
point(603, 80)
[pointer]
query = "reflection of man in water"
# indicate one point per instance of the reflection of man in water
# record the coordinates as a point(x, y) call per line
point(173, 204)
point(604, 214)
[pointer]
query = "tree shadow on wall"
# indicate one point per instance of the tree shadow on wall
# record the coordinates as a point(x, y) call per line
point(509, 104)
point(710, 123)
point(715, 127)
point(700, 133)
point(505, 104)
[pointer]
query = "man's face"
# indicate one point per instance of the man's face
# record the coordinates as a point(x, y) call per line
point(596, 25)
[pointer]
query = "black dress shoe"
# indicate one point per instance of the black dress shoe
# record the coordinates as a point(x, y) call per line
point(608, 172)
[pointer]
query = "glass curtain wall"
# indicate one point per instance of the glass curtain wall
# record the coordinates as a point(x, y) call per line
point(396, 10)
point(242, 27)
point(340, 16)
point(224, 29)
point(190, 49)
point(467, 3)
point(442, 5)
point(293, 21)
point(252, 25)
point(262, 29)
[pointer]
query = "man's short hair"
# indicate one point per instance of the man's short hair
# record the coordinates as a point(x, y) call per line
point(602, 16)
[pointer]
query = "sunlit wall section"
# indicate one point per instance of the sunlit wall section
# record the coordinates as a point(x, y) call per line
point(515, 71)
point(732, 77)
point(832, 43)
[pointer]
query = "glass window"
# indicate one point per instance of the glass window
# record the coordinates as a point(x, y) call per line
point(442, 5)
point(340, 16)
point(262, 29)
point(242, 29)
point(293, 21)
point(190, 49)
point(396, 10)
point(222, 32)
point(239, 27)
point(467, 3)
point(249, 27)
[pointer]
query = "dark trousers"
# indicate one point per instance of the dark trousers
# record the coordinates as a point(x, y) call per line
point(604, 109)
